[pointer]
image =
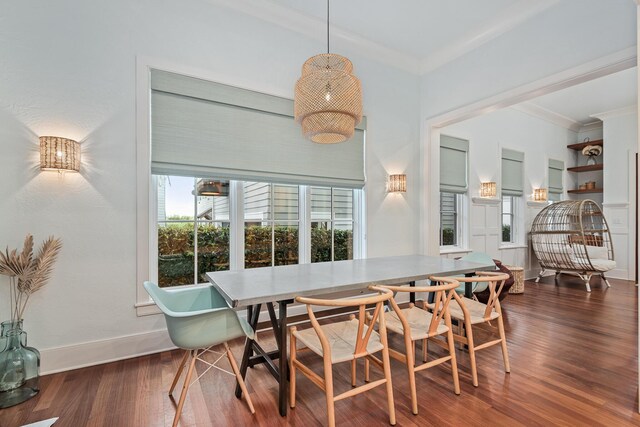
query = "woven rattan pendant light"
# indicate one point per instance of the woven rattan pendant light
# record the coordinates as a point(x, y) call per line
point(328, 97)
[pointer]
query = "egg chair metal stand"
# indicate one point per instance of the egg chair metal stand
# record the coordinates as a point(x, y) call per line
point(573, 236)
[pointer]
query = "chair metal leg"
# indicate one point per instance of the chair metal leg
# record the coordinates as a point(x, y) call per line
point(180, 368)
point(187, 381)
point(243, 387)
point(605, 280)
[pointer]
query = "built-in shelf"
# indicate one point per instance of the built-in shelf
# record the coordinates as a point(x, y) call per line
point(579, 146)
point(592, 190)
point(587, 168)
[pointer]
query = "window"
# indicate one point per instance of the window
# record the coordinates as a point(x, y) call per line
point(194, 227)
point(508, 219)
point(453, 189)
point(331, 224)
point(555, 171)
point(270, 224)
point(192, 231)
point(449, 219)
point(512, 193)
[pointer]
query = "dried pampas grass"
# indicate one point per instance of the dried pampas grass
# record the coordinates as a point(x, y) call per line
point(28, 274)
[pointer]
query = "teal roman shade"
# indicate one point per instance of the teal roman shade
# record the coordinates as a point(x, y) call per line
point(206, 129)
point(556, 168)
point(512, 172)
point(453, 164)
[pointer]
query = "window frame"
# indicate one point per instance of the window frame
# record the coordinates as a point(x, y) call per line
point(516, 221)
point(146, 194)
point(460, 215)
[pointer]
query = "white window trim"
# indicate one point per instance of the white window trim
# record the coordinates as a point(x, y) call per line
point(518, 225)
point(463, 227)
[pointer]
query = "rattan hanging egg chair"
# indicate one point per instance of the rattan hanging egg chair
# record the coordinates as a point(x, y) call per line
point(573, 236)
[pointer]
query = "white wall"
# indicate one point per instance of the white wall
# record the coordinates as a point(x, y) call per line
point(620, 135)
point(68, 69)
point(487, 135)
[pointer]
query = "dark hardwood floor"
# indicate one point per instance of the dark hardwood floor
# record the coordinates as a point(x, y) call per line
point(573, 360)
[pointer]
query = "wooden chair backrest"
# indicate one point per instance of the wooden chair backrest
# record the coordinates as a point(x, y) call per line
point(362, 337)
point(495, 281)
point(442, 298)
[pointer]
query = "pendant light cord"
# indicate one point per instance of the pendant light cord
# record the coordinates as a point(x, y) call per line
point(327, 26)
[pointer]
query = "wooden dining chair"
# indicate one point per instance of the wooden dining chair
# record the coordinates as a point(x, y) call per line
point(198, 318)
point(345, 341)
point(420, 324)
point(470, 312)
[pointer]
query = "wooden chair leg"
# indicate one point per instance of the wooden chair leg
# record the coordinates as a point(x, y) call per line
point(292, 368)
point(412, 378)
point(472, 353)
point(387, 375)
point(454, 362)
point(505, 353)
point(180, 368)
point(366, 369)
point(424, 349)
point(353, 373)
point(328, 390)
point(241, 383)
point(185, 386)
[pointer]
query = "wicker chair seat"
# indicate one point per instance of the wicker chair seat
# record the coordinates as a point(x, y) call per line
point(476, 310)
point(600, 265)
point(342, 339)
point(419, 321)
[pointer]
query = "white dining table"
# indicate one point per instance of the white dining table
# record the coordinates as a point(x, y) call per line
point(251, 288)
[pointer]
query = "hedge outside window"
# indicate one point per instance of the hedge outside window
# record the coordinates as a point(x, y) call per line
point(449, 219)
point(194, 234)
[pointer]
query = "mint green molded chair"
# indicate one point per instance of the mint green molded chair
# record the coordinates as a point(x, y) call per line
point(481, 258)
point(199, 318)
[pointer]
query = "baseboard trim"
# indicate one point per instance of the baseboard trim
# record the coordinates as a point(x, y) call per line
point(82, 355)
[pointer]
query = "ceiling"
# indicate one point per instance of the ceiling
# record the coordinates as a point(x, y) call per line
point(419, 35)
point(422, 35)
point(578, 104)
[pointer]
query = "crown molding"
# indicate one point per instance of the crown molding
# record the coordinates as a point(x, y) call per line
point(624, 111)
point(609, 64)
point(591, 126)
point(548, 116)
point(315, 28)
point(500, 24)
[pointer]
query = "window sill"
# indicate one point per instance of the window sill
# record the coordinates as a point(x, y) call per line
point(147, 309)
point(485, 201)
point(454, 250)
point(513, 246)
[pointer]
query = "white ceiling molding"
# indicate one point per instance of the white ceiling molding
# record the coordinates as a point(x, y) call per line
point(624, 111)
point(594, 125)
point(548, 116)
point(609, 64)
point(316, 29)
point(500, 24)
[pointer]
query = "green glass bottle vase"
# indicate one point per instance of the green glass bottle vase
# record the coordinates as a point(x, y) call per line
point(19, 366)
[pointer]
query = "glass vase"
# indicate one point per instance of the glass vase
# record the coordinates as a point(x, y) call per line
point(19, 366)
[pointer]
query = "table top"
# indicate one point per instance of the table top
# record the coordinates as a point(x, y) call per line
point(242, 288)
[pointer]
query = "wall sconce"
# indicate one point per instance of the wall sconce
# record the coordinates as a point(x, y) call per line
point(59, 154)
point(540, 194)
point(487, 189)
point(397, 183)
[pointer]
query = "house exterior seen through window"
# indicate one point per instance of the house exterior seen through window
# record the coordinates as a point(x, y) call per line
point(194, 231)
point(449, 219)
